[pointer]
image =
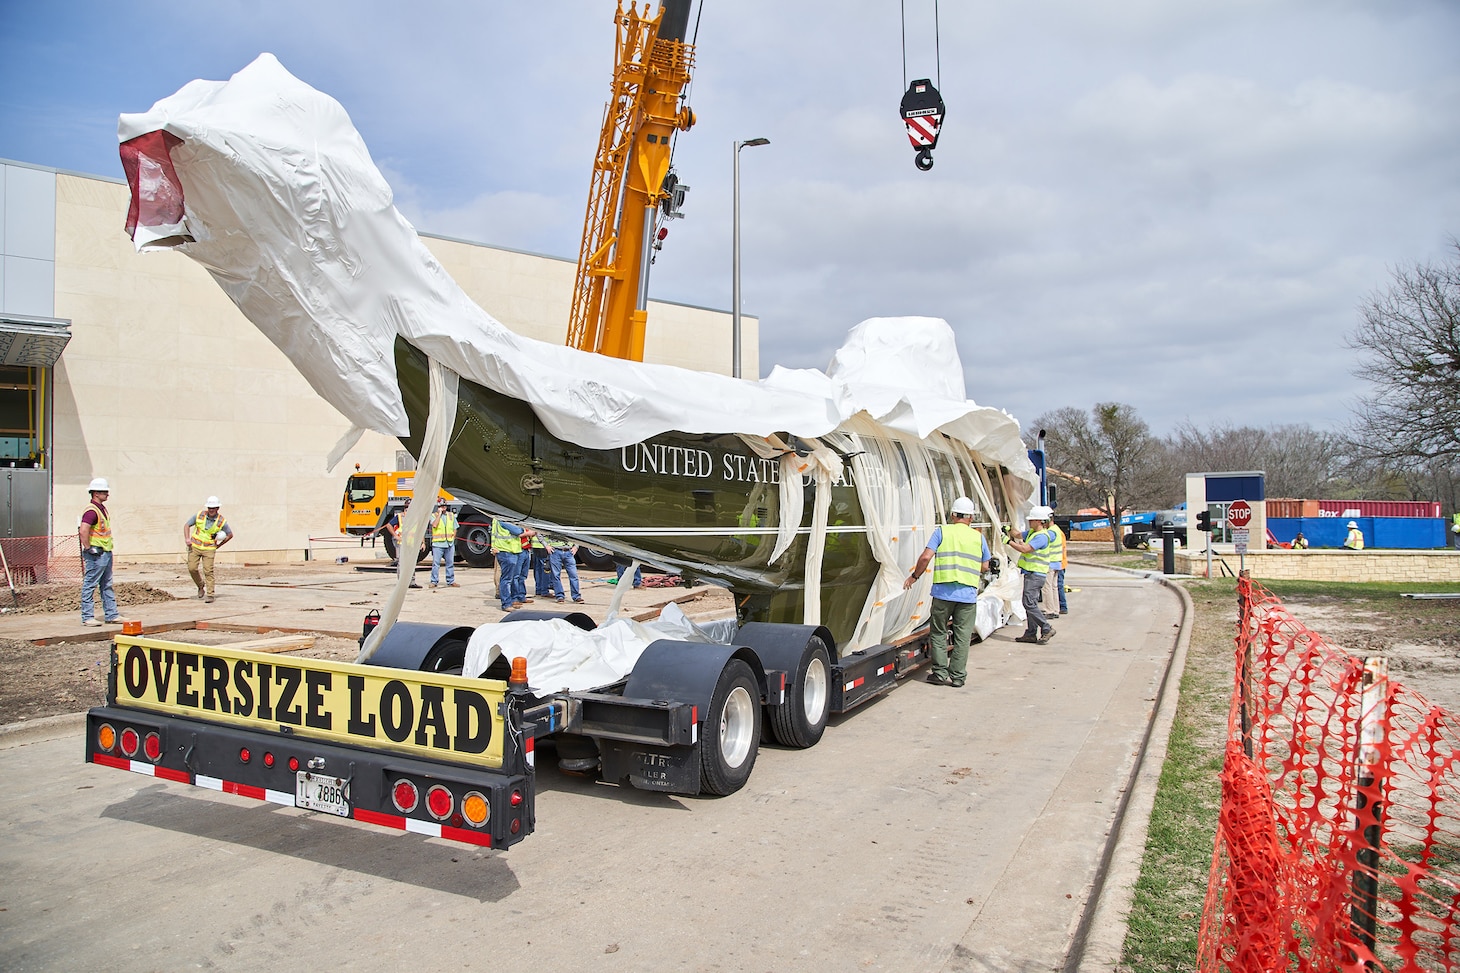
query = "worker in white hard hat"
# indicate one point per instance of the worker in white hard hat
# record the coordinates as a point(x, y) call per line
point(1355, 539)
point(959, 558)
point(95, 534)
point(205, 532)
point(1035, 548)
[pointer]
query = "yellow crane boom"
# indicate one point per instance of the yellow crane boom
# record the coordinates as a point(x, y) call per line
point(651, 69)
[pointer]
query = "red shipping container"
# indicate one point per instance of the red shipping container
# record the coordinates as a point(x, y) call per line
point(1378, 508)
point(1281, 507)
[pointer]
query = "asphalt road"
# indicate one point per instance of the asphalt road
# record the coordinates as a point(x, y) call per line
point(934, 829)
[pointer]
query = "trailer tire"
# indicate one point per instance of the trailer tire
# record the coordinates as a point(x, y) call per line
point(801, 718)
point(474, 545)
point(595, 559)
point(448, 656)
point(730, 737)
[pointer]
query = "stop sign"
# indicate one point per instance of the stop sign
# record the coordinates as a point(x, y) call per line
point(1239, 514)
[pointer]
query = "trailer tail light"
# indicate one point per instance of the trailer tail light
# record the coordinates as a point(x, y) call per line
point(405, 796)
point(516, 798)
point(439, 802)
point(476, 809)
point(106, 737)
point(293, 764)
point(244, 755)
point(516, 825)
point(268, 759)
point(130, 742)
point(152, 746)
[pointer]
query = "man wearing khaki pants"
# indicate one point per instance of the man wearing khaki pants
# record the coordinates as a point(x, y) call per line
point(204, 533)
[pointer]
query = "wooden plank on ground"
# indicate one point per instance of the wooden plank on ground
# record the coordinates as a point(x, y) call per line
point(282, 643)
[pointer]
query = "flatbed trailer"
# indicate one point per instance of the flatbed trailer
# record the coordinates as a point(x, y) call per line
point(407, 742)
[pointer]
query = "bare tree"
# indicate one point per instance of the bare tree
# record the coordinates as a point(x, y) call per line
point(1409, 344)
point(1108, 456)
point(1299, 461)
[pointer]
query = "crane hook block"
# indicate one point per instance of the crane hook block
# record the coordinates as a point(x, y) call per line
point(922, 112)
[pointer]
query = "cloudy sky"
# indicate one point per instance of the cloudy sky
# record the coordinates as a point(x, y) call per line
point(1177, 204)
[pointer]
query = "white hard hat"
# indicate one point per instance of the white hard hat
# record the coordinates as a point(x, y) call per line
point(99, 485)
point(964, 506)
point(212, 502)
point(1040, 513)
point(1351, 523)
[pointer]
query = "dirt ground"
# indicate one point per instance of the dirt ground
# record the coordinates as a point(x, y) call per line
point(1421, 637)
point(69, 677)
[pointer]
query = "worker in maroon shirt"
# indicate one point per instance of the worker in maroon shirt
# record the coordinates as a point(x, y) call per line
point(95, 534)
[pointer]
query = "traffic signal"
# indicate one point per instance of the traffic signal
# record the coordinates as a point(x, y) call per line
point(1204, 520)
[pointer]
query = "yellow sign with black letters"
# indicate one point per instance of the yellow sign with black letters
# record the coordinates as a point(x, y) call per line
point(425, 714)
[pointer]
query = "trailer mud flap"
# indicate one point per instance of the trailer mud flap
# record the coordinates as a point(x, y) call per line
point(862, 676)
point(673, 770)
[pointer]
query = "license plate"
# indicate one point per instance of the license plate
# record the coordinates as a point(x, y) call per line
point(318, 792)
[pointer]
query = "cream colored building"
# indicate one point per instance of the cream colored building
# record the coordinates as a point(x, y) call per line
point(137, 368)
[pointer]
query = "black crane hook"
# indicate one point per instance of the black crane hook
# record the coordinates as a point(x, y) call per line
point(922, 112)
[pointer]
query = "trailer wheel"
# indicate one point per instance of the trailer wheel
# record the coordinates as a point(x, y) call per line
point(800, 720)
point(594, 559)
point(731, 732)
point(448, 656)
point(475, 545)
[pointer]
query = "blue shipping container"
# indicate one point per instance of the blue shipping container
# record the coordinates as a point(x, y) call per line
point(1405, 533)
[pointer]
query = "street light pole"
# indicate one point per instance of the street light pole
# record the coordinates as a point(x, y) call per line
point(735, 259)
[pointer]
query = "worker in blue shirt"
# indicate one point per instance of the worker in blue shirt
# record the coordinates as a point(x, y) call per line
point(959, 558)
point(1034, 556)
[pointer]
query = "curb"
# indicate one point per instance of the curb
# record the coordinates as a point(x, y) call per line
point(36, 731)
point(1099, 941)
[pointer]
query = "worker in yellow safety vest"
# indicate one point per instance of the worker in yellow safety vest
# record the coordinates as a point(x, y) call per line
point(960, 558)
point(443, 544)
point(95, 533)
point(1034, 561)
point(205, 532)
point(512, 560)
point(1355, 539)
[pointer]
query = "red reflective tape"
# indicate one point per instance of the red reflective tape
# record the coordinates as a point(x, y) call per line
point(384, 820)
point(854, 683)
point(885, 670)
point(142, 767)
point(244, 790)
point(470, 837)
point(530, 744)
point(401, 824)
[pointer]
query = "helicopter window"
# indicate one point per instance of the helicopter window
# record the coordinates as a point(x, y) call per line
point(947, 483)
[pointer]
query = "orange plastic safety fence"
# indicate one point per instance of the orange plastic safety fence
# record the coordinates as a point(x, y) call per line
point(1338, 839)
point(40, 560)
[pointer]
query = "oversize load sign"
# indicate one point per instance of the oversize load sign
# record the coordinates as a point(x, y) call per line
point(425, 714)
